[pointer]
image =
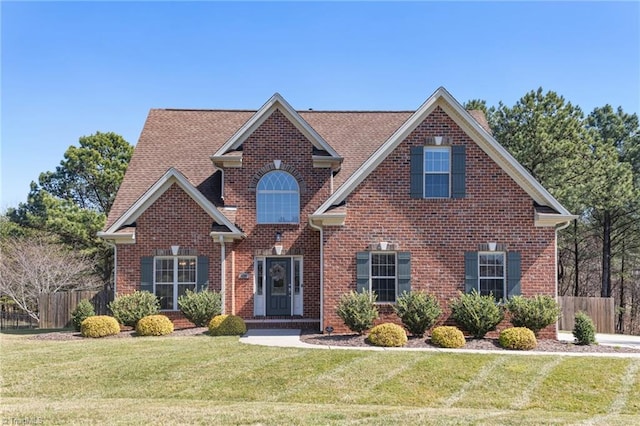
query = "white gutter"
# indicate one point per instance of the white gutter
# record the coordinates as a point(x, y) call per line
point(321, 230)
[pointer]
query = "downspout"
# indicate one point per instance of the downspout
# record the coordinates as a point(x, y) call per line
point(558, 228)
point(321, 230)
point(222, 272)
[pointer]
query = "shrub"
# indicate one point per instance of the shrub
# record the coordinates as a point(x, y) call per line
point(227, 325)
point(520, 338)
point(99, 326)
point(358, 310)
point(154, 325)
point(477, 314)
point(128, 309)
point(533, 313)
point(83, 311)
point(584, 330)
point(447, 336)
point(388, 335)
point(418, 311)
point(200, 307)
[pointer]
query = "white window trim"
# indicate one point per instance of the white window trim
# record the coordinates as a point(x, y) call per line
point(277, 191)
point(504, 271)
point(175, 282)
point(425, 172)
point(371, 277)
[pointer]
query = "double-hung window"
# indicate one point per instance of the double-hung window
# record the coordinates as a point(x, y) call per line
point(491, 274)
point(278, 198)
point(385, 273)
point(173, 276)
point(437, 168)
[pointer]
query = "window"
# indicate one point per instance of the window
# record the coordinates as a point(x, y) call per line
point(498, 273)
point(491, 274)
point(388, 274)
point(436, 172)
point(278, 198)
point(173, 276)
point(383, 276)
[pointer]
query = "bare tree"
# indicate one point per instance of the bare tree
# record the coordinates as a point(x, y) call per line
point(31, 266)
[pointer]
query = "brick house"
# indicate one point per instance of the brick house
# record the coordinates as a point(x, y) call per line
point(283, 211)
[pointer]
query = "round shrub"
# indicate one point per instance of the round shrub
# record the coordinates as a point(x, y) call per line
point(128, 309)
point(200, 307)
point(584, 330)
point(520, 338)
point(388, 335)
point(476, 314)
point(447, 336)
point(358, 310)
point(99, 326)
point(418, 311)
point(227, 325)
point(534, 313)
point(154, 325)
point(83, 310)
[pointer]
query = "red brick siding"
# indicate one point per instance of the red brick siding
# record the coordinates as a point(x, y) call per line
point(437, 232)
point(276, 139)
point(174, 219)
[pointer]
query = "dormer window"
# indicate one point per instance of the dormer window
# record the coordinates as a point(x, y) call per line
point(278, 199)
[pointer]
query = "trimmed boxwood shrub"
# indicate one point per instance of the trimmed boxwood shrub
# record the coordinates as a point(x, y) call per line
point(227, 325)
point(358, 310)
point(584, 330)
point(99, 326)
point(83, 310)
point(519, 338)
point(200, 307)
point(154, 325)
point(418, 311)
point(128, 309)
point(388, 335)
point(534, 313)
point(476, 314)
point(446, 336)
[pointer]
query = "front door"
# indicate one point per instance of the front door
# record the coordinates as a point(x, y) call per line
point(278, 286)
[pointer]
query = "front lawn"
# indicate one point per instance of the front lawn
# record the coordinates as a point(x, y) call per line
point(207, 380)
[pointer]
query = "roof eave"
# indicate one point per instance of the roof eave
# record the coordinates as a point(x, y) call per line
point(226, 237)
point(226, 161)
point(118, 237)
point(328, 219)
point(544, 220)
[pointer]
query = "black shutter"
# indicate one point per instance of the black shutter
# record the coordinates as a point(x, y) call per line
point(470, 271)
point(514, 273)
point(362, 271)
point(202, 273)
point(458, 164)
point(404, 272)
point(417, 172)
point(146, 274)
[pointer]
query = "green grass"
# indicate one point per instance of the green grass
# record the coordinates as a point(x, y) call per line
point(207, 380)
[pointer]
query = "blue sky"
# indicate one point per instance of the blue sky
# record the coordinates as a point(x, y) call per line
point(73, 68)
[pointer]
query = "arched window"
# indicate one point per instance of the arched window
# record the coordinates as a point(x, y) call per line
point(278, 198)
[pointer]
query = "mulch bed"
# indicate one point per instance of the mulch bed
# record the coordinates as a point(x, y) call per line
point(544, 345)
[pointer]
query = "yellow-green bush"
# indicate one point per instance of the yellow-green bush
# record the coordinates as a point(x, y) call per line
point(227, 325)
point(154, 325)
point(99, 326)
point(388, 335)
point(520, 338)
point(447, 336)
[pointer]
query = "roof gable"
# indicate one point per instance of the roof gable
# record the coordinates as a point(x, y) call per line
point(442, 98)
point(172, 176)
point(276, 102)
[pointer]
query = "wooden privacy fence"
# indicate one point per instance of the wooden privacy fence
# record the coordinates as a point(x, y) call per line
point(600, 309)
point(56, 308)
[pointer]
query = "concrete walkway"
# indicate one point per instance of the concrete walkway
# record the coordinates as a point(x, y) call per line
point(291, 339)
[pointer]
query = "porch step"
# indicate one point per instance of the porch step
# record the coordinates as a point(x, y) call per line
point(302, 324)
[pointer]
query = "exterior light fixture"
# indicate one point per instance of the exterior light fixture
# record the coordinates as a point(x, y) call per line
point(278, 237)
point(329, 330)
